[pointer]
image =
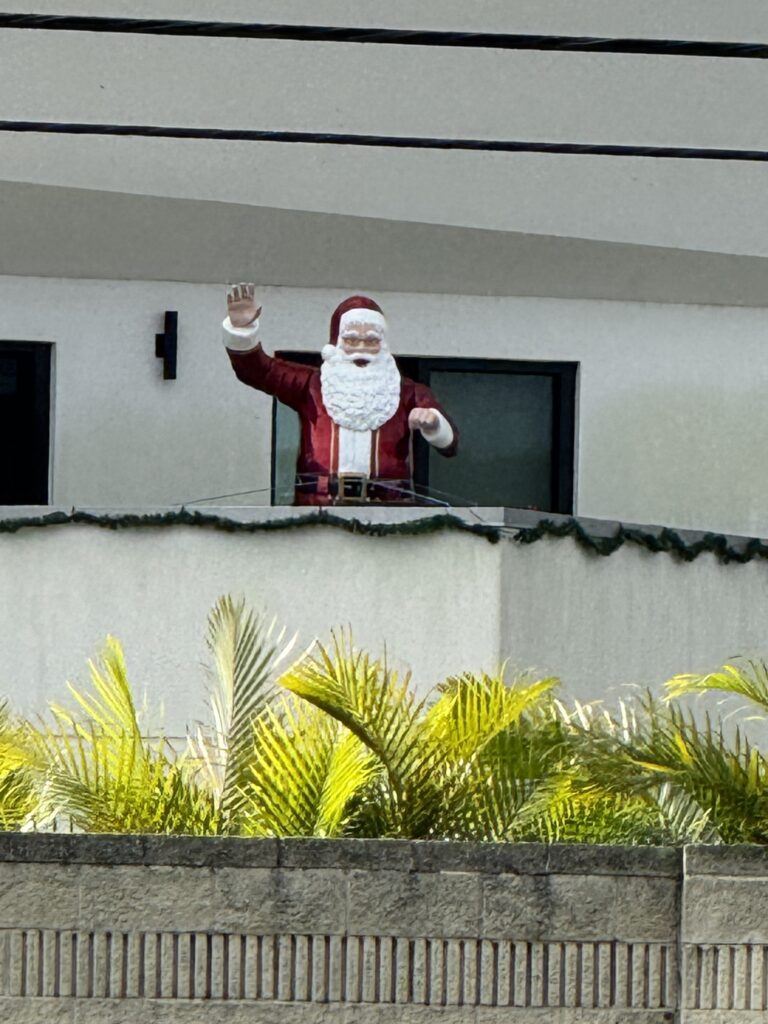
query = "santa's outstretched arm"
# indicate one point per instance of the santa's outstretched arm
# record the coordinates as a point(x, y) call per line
point(285, 380)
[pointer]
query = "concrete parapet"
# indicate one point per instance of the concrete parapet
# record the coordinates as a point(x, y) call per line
point(162, 929)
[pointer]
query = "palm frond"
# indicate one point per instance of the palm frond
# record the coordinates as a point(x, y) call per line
point(102, 776)
point(368, 699)
point(497, 741)
point(723, 778)
point(18, 794)
point(246, 651)
point(304, 771)
point(18, 798)
point(473, 709)
point(749, 681)
point(684, 819)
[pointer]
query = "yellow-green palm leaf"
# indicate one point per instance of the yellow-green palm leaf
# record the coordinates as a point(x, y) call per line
point(749, 681)
point(102, 775)
point(368, 699)
point(18, 794)
point(305, 769)
point(246, 650)
point(499, 741)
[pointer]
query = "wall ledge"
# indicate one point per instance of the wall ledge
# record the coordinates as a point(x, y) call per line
point(422, 856)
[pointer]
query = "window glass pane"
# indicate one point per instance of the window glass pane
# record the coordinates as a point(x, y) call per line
point(505, 449)
point(24, 422)
point(7, 376)
point(286, 442)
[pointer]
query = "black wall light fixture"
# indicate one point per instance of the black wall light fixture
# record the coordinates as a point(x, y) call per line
point(166, 344)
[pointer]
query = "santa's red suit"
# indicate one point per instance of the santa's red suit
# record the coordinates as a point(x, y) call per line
point(354, 418)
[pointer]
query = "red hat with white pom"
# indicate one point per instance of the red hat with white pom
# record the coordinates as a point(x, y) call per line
point(357, 309)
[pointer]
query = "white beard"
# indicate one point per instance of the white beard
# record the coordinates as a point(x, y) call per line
point(357, 397)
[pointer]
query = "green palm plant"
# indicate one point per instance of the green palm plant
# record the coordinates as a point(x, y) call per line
point(498, 741)
point(676, 779)
point(345, 747)
point(733, 770)
point(246, 651)
point(18, 794)
point(454, 768)
point(571, 807)
point(98, 773)
point(556, 799)
point(749, 681)
point(101, 774)
point(304, 772)
point(369, 700)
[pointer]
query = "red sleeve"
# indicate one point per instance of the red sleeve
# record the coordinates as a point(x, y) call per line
point(423, 398)
point(287, 381)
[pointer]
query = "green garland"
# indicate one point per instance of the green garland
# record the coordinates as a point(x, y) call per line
point(433, 524)
point(665, 540)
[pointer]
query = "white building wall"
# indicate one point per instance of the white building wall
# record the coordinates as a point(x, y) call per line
point(702, 205)
point(454, 93)
point(440, 604)
point(412, 91)
point(671, 422)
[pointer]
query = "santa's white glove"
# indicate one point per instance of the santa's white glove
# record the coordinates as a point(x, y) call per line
point(434, 427)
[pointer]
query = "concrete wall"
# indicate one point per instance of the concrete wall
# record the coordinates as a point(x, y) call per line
point(671, 416)
point(704, 205)
point(140, 928)
point(442, 604)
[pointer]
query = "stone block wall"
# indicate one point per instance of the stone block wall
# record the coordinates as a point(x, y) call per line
point(724, 934)
point(124, 929)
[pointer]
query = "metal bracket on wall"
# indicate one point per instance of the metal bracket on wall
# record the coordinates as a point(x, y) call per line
point(166, 344)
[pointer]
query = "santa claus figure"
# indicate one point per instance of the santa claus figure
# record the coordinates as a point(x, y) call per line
point(357, 413)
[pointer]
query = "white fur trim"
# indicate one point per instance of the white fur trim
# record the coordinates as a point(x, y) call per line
point(240, 339)
point(362, 316)
point(360, 398)
point(354, 451)
point(443, 435)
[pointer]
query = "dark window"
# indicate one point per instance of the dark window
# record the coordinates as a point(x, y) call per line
point(517, 427)
point(25, 385)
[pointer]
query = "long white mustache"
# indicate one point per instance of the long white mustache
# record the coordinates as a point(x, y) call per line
point(356, 358)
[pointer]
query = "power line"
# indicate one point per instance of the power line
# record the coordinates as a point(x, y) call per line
point(382, 141)
point(386, 36)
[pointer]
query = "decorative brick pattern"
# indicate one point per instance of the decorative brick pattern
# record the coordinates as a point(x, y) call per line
point(726, 976)
point(37, 963)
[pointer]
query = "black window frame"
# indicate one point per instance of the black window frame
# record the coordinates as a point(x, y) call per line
point(40, 443)
point(420, 368)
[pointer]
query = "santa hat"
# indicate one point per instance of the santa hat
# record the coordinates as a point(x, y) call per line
point(355, 310)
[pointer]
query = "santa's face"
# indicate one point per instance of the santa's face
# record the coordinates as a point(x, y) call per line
point(361, 342)
point(360, 379)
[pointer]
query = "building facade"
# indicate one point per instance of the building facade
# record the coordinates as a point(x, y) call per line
point(568, 239)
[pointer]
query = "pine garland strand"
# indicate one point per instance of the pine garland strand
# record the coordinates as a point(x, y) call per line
point(665, 540)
